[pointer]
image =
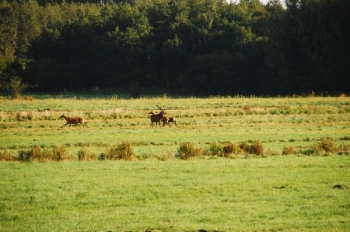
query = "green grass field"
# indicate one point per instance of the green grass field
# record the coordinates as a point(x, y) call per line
point(285, 193)
point(157, 191)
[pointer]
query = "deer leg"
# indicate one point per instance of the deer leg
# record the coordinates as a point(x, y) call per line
point(64, 125)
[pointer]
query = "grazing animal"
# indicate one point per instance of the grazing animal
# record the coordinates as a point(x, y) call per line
point(167, 120)
point(156, 118)
point(338, 186)
point(74, 121)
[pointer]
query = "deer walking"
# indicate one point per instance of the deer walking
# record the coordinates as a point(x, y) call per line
point(74, 121)
point(167, 120)
point(156, 118)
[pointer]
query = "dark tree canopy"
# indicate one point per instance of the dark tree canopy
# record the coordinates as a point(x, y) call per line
point(193, 46)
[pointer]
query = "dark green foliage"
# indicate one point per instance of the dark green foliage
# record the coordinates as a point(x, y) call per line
point(15, 87)
point(308, 47)
point(196, 47)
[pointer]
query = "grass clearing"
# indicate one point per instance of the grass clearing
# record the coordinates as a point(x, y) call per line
point(306, 142)
point(292, 193)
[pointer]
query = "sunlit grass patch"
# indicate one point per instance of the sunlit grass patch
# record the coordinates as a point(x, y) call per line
point(212, 194)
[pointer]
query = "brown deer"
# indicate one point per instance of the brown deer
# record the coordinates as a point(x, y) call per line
point(74, 121)
point(167, 120)
point(156, 118)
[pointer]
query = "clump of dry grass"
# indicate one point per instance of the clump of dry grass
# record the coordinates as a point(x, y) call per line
point(215, 149)
point(61, 153)
point(189, 150)
point(6, 155)
point(123, 151)
point(230, 148)
point(257, 148)
point(288, 150)
point(38, 153)
point(325, 146)
point(86, 154)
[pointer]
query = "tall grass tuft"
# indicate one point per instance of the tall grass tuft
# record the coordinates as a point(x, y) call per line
point(5, 155)
point(231, 149)
point(257, 148)
point(245, 147)
point(86, 154)
point(189, 150)
point(123, 151)
point(61, 153)
point(288, 150)
point(44, 154)
point(325, 146)
point(215, 149)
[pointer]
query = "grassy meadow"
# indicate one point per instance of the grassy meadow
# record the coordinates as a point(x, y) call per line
point(288, 186)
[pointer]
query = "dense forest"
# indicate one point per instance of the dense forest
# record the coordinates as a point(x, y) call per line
point(196, 47)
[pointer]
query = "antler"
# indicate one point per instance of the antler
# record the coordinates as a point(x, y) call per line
point(160, 108)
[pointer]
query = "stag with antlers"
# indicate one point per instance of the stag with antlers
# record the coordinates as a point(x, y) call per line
point(156, 118)
point(73, 121)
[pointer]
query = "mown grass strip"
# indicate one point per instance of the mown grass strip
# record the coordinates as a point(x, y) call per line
point(287, 193)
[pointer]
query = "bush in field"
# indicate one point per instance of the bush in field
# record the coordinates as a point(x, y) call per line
point(325, 146)
point(245, 147)
point(215, 149)
point(85, 154)
point(121, 151)
point(5, 155)
point(33, 154)
point(61, 153)
point(188, 150)
point(288, 150)
point(42, 154)
point(229, 149)
point(257, 148)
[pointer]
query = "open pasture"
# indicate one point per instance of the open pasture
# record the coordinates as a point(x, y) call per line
point(276, 122)
point(158, 192)
point(281, 193)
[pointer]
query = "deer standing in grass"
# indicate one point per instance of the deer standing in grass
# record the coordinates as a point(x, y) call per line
point(167, 120)
point(156, 118)
point(74, 121)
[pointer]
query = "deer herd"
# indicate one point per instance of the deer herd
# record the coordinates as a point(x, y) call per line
point(155, 119)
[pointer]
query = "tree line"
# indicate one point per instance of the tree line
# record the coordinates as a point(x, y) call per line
point(190, 46)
